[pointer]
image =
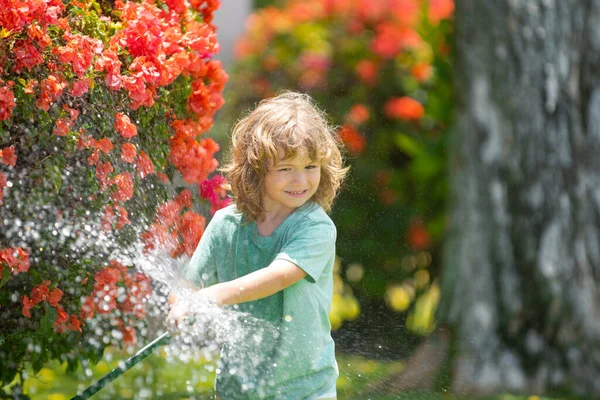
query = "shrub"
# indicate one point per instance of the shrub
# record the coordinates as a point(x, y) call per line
point(102, 105)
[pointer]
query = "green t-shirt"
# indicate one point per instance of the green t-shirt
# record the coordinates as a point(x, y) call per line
point(294, 355)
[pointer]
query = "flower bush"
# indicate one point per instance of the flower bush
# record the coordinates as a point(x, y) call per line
point(380, 69)
point(102, 107)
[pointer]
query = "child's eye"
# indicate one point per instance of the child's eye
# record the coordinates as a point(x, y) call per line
point(311, 167)
point(283, 169)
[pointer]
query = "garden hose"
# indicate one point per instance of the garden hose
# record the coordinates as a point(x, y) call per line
point(124, 367)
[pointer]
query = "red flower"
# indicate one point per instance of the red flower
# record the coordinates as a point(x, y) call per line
point(146, 70)
point(102, 171)
point(85, 141)
point(143, 165)
point(26, 55)
point(73, 113)
point(30, 86)
point(156, 236)
point(184, 198)
point(144, 30)
point(62, 127)
point(167, 213)
point(54, 297)
point(422, 71)
point(404, 108)
point(63, 23)
point(74, 323)
point(27, 305)
point(117, 265)
point(123, 217)
point(214, 190)
point(124, 126)
point(206, 7)
point(93, 158)
point(314, 61)
point(61, 318)
point(80, 87)
point(40, 36)
point(191, 228)
point(190, 128)
point(193, 159)
point(205, 100)
point(124, 183)
point(16, 258)
point(128, 152)
point(358, 114)
point(371, 11)
point(107, 219)
point(129, 335)
point(78, 52)
point(51, 89)
point(8, 156)
point(144, 286)
point(354, 141)
point(390, 39)
point(178, 6)
point(3, 184)
point(439, 10)
point(108, 276)
point(417, 237)
point(140, 93)
point(7, 102)
point(39, 293)
point(105, 145)
point(87, 309)
point(366, 71)
point(109, 62)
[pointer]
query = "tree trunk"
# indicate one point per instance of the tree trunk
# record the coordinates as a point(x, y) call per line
point(521, 284)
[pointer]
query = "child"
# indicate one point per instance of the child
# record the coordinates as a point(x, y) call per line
point(272, 251)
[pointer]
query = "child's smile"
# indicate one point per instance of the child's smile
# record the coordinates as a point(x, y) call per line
point(297, 193)
point(290, 183)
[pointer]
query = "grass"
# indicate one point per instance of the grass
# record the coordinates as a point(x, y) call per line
point(159, 377)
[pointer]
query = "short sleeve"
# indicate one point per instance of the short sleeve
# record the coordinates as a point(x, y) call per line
point(311, 247)
point(202, 267)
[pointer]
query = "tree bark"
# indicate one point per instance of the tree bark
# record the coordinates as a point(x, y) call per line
point(521, 280)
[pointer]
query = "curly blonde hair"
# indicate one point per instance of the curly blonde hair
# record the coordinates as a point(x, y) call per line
point(292, 122)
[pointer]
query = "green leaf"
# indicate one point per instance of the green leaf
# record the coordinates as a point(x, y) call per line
point(53, 171)
point(47, 321)
point(409, 145)
point(426, 167)
point(72, 365)
point(5, 275)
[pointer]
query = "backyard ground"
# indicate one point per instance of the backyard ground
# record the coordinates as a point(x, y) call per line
point(158, 377)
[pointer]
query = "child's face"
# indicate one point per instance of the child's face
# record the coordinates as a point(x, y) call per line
point(290, 183)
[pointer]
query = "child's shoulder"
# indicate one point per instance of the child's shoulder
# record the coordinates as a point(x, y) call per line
point(313, 214)
point(227, 216)
point(227, 212)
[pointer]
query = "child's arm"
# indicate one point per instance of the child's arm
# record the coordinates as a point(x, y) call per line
point(259, 284)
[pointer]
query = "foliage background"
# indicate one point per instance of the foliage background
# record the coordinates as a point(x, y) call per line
point(381, 70)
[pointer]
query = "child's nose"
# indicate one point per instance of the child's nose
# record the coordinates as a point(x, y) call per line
point(299, 177)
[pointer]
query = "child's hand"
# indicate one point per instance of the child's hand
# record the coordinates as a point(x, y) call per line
point(179, 310)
